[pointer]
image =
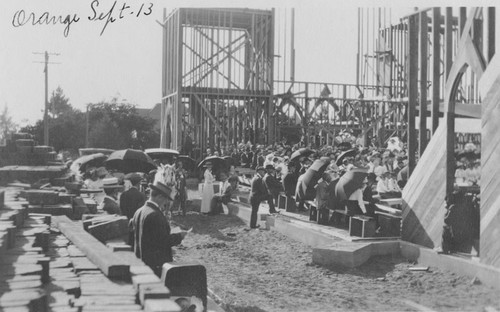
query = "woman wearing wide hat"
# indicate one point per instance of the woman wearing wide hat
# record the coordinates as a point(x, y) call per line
point(208, 188)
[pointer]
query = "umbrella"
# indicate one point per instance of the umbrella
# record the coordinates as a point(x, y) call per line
point(188, 163)
point(301, 152)
point(93, 160)
point(348, 153)
point(161, 154)
point(218, 164)
point(470, 155)
point(130, 160)
point(349, 182)
point(216, 161)
point(307, 181)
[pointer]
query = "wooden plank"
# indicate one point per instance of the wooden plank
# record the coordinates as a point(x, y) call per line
point(423, 34)
point(412, 91)
point(436, 68)
point(100, 255)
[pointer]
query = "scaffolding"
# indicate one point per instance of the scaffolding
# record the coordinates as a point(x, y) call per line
point(217, 76)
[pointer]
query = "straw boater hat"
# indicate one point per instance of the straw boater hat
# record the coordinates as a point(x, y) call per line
point(111, 183)
point(162, 188)
point(133, 177)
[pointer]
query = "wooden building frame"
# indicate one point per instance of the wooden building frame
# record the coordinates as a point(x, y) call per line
point(217, 77)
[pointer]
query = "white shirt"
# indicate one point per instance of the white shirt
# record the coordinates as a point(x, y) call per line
point(358, 196)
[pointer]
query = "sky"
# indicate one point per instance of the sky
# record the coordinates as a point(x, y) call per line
point(95, 62)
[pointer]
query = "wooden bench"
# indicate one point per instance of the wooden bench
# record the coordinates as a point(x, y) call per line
point(340, 218)
point(313, 210)
point(390, 224)
point(362, 226)
point(392, 202)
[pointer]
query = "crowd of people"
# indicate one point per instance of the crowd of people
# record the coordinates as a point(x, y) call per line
point(148, 200)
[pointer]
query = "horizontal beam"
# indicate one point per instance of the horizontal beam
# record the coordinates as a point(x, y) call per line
point(108, 262)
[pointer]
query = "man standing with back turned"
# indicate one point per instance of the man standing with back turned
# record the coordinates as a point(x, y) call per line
point(152, 237)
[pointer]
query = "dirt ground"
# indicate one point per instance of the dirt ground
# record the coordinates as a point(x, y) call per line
point(262, 270)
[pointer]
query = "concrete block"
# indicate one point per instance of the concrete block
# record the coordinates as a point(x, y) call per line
point(161, 305)
point(41, 197)
point(55, 210)
point(153, 291)
point(145, 279)
point(348, 254)
point(117, 227)
point(119, 246)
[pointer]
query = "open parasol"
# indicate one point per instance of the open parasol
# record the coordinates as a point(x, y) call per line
point(349, 182)
point(301, 152)
point(188, 163)
point(93, 160)
point(130, 160)
point(305, 186)
point(344, 155)
point(162, 154)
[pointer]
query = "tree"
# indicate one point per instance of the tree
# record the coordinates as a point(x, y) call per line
point(66, 124)
point(118, 126)
point(59, 104)
point(7, 126)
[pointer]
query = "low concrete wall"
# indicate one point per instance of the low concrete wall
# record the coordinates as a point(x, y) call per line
point(325, 247)
point(488, 275)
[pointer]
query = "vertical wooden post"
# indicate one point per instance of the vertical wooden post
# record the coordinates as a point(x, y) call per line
point(436, 64)
point(491, 34)
point(412, 90)
point(448, 37)
point(177, 140)
point(271, 129)
point(450, 112)
point(423, 83)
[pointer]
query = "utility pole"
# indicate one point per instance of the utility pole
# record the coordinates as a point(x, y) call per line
point(46, 109)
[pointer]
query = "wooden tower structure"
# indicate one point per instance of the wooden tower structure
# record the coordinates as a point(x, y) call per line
point(217, 77)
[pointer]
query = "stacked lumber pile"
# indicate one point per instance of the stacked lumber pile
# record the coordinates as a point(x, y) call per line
point(22, 160)
point(55, 201)
point(42, 269)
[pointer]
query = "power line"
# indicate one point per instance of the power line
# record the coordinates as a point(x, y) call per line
point(45, 114)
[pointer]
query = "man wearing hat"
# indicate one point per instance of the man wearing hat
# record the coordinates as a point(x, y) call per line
point(152, 238)
point(258, 193)
point(132, 199)
point(110, 201)
point(273, 187)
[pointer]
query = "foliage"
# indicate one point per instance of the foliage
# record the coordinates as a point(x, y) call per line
point(110, 125)
point(7, 126)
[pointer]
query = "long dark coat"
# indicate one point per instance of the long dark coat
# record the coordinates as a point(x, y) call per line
point(152, 238)
point(130, 201)
point(258, 190)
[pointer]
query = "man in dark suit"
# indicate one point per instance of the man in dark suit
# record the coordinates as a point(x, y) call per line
point(132, 199)
point(258, 193)
point(273, 187)
point(152, 238)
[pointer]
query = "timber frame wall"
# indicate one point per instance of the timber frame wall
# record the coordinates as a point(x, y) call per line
point(470, 41)
point(217, 76)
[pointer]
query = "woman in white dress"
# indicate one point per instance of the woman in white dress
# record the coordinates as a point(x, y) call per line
point(208, 188)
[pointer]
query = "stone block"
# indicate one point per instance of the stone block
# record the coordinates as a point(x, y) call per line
point(152, 291)
point(161, 305)
point(41, 197)
point(348, 254)
point(117, 227)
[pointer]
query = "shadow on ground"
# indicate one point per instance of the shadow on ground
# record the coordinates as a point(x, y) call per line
point(375, 267)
